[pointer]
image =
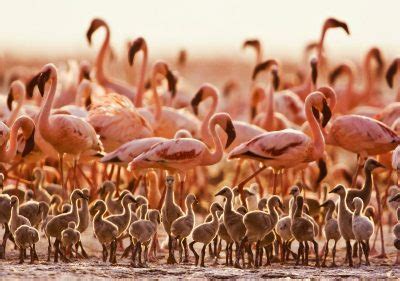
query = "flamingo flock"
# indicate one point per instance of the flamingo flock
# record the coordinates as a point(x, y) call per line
point(303, 156)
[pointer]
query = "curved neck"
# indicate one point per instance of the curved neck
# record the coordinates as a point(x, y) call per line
point(101, 57)
point(156, 98)
point(205, 130)
point(272, 212)
point(140, 86)
point(228, 204)
point(8, 154)
point(318, 138)
point(213, 157)
point(169, 196)
point(215, 219)
point(83, 91)
point(299, 211)
point(99, 215)
point(357, 210)
point(329, 213)
point(43, 121)
point(189, 209)
point(367, 188)
point(369, 78)
point(74, 210)
point(14, 113)
point(268, 122)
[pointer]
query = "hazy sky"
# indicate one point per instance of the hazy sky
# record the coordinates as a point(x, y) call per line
point(60, 26)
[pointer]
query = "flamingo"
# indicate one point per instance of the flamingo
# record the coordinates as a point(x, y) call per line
point(67, 134)
point(108, 83)
point(166, 121)
point(8, 150)
point(181, 155)
point(288, 148)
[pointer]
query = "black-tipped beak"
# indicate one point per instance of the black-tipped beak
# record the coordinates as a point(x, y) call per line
point(315, 113)
point(43, 78)
point(10, 99)
point(335, 190)
point(135, 47)
point(324, 204)
point(231, 133)
point(86, 74)
point(84, 196)
point(29, 144)
point(395, 198)
point(335, 74)
point(333, 23)
point(275, 79)
point(391, 72)
point(32, 84)
point(314, 71)
point(172, 81)
point(196, 101)
point(326, 114)
point(261, 67)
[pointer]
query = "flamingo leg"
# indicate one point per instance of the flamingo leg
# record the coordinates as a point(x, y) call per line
point(274, 183)
point(181, 199)
point(246, 180)
point(237, 172)
point(258, 180)
point(61, 156)
point(359, 165)
point(118, 180)
point(378, 200)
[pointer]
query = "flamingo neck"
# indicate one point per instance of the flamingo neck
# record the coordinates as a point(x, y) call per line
point(169, 196)
point(272, 212)
point(9, 153)
point(329, 213)
point(140, 86)
point(99, 215)
point(214, 157)
point(357, 210)
point(299, 211)
point(228, 204)
point(14, 113)
point(369, 79)
point(205, 130)
point(398, 94)
point(215, 219)
point(268, 123)
point(318, 138)
point(43, 121)
point(101, 57)
point(156, 99)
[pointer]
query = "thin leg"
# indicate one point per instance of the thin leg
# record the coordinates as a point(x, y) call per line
point(105, 253)
point(185, 248)
point(181, 191)
point(196, 256)
point(274, 183)
point(21, 256)
point(334, 254)
point(316, 253)
point(227, 254)
point(325, 253)
point(4, 243)
point(139, 252)
point(359, 165)
point(203, 253)
point(349, 253)
point(299, 252)
point(307, 251)
point(360, 246)
point(238, 254)
point(84, 254)
point(171, 258)
point(378, 200)
point(237, 172)
point(127, 250)
point(180, 250)
point(145, 255)
point(32, 255)
point(230, 254)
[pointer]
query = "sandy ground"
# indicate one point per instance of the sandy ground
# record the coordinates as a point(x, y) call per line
point(96, 269)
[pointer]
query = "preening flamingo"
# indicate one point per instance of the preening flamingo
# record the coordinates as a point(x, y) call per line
point(181, 155)
point(108, 83)
point(288, 148)
point(66, 133)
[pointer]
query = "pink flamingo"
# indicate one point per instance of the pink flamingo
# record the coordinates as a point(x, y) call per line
point(166, 121)
point(139, 45)
point(288, 148)
point(67, 134)
point(110, 84)
point(8, 150)
point(181, 155)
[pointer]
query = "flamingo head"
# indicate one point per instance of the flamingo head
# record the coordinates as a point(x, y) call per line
point(17, 91)
point(162, 68)
point(267, 65)
point(334, 23)
point(314, 70)
point(205, 91)
point(94, 25)
point(136, 46)
point(376, 54)
point(257, 94)
point(328, 204)
point(320, 104)
point(41, 79)
point(253, 43)
point(391, 72)
point(371, 164)
point(225, 191)
point(225, 122)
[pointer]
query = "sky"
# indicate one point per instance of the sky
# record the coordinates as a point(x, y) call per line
point(59, 27)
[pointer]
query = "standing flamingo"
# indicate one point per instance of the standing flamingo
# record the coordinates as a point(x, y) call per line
point(111, 84)
point(139, 45)
point(181, 155)
point(288, 148)
point(66, 133)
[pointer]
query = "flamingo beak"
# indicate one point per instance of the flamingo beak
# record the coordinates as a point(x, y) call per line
point(95, 24)
point(10, 99)
point(32, 84)
point(231, 132)
point(43, 78)
point(324, 204)
point(135, 47)
point(391, 73)
point(196, 101)
point(221, 192)
point(29, 144)
point(172, 81)
point(275, 79)
point(326, 114)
